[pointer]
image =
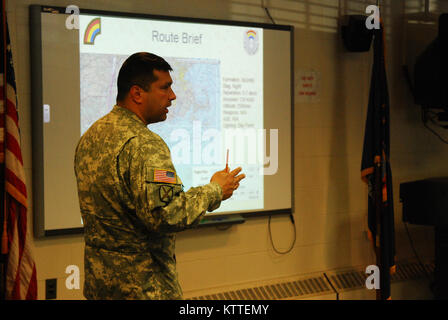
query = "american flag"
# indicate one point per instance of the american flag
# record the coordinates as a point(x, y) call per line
point(164, 176)
point(21, 281)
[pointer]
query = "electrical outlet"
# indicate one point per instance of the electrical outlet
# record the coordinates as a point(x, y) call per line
point(50, 289)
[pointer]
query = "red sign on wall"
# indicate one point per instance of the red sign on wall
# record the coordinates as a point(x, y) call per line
point(308, 86)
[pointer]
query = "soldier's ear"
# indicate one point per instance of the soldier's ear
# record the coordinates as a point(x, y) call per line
point(136, 94)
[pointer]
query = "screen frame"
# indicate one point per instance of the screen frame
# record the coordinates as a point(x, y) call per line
point(35, 12)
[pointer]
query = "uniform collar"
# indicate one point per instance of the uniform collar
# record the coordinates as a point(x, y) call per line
point(127, 114)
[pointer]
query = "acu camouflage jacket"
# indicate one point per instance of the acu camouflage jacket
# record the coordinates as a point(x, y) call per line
point(132, 203)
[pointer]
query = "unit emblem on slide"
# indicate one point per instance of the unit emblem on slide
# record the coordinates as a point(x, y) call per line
point(251, 42)
point(93, 29)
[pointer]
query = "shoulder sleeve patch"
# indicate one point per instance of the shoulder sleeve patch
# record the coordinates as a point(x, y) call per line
point(165, 176)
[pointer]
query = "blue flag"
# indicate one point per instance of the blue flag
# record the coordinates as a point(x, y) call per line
point(376, 170)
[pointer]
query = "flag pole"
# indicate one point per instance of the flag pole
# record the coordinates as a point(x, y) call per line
point(378, 201)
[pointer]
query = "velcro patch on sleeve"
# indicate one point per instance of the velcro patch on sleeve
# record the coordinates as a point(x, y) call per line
point(165, 176)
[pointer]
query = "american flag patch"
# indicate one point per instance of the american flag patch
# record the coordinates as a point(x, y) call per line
point(164, 176)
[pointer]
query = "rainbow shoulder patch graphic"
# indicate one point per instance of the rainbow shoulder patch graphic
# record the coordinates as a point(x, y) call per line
point(93, 29)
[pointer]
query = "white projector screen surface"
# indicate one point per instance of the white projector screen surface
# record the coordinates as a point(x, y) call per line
point(233, 88)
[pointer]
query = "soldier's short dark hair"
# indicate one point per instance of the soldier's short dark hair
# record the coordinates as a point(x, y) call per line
point(138, 69)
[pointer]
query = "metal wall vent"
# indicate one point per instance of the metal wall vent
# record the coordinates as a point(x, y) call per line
point(350, 279)
point(355, 279)
point(276, 291)
point(430, 267)
point(411, 270)
point(331, 282)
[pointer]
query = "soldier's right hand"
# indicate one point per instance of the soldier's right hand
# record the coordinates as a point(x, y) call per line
point(229, 181)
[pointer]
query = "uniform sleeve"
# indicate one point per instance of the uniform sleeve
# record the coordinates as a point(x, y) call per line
point(160, 202)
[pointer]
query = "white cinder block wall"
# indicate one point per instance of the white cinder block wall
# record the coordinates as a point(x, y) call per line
point(330, 199)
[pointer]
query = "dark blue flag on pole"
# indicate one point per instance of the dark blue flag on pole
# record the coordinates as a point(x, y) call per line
point(376, 170)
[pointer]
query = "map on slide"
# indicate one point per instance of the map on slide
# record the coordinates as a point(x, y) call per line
point(196, 83)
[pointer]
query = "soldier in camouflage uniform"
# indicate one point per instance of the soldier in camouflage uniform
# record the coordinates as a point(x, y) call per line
point(131, 199)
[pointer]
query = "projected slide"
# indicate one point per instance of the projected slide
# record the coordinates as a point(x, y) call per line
point(234, 87)
point(218, 81)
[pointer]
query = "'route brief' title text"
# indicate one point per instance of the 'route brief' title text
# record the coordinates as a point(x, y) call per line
point(171, 37)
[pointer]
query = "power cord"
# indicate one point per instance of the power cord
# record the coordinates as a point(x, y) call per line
point(270, 235)
point(434, 116)
point(425, 111)
point(267, 11)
